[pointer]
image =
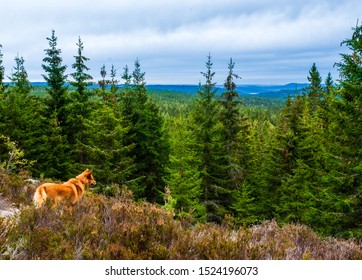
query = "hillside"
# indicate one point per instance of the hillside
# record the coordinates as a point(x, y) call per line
point(119, 228)
point(268, 91)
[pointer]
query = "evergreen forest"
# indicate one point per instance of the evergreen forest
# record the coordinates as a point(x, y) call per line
point(209, 157)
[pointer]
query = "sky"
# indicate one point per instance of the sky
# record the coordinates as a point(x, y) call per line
point(271, 42)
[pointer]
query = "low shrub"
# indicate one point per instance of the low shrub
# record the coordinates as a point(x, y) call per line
point(119, 228)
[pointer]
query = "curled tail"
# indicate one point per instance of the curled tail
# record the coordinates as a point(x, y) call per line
point(40, 196)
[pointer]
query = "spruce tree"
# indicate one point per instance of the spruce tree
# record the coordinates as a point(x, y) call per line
point(56, 79)
point(348, 128)
point(51, 150)
point(235, 144)
point(81, 79)
point(184, 180)
point(329, 84)
point(19, 78)
point(80, 106)
point(138, 78)
point(126, 76)
point(23, 119)
point(15, 103)
point(113, 82)
point(103, 83)
point(315, 90)
point(205, 126)
point(106, 148)
point(2, 73)
point(285, 154)
point(146, 132)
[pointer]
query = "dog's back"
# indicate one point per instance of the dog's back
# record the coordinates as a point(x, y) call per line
point(56, 193)
point(69, 192)
point(40, 195)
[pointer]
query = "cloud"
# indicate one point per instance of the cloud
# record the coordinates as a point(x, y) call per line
point(269, 40)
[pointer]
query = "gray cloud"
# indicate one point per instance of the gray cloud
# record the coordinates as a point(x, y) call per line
point(271, 41)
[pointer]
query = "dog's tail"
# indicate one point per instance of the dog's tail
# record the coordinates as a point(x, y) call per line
point(40, 196)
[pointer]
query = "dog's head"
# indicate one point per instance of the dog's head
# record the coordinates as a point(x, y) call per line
point(87, 178)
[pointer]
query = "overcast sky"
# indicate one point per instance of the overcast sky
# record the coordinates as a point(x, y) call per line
point(271, 42)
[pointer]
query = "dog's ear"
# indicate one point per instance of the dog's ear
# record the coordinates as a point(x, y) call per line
point(89, 175)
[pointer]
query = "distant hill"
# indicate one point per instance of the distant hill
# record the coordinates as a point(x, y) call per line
point(272, 91)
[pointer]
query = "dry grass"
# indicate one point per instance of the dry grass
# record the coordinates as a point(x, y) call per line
point(118, 228)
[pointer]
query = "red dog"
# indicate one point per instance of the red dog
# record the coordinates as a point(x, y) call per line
point(70, 192)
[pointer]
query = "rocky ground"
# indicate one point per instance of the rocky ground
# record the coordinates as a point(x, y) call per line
point(6, 208)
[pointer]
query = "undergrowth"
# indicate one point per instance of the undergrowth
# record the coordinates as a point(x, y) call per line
point(100, 227)
point(119, 228)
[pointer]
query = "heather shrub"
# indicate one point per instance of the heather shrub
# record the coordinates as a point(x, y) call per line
point(99, 227)
point(14, 188)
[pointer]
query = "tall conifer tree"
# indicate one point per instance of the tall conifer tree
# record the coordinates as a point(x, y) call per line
point(205, 127)
point(56, 79)
point(19, 77)
point(349, 130)
point(230, 117)
point(2, 72)
point(315, 90)
point(146, 132)
point(79, 108)
point(81, 78)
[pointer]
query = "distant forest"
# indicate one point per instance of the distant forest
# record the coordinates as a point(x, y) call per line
point(220, 158)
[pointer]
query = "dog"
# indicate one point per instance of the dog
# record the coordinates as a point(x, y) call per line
point(69, 192)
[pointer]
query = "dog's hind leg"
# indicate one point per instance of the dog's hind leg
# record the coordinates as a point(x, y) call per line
point(39, 197)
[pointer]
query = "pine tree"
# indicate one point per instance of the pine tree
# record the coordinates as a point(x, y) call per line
point(106, 149)
point(146, 132)
point(285, 154)
point(55, 79)
point(230, 117)
point(184, 180)
point(205, 126)
point(15, 104)
point(138, 77)
point(104, 83)
point(329, 84)
point(50, 149)
point(235, 140)
point(348, 127)
point(113, 82)
point(2, 73)
point(79, 107)
point(315, 90)
point(126, 76)
point(23, 119)
point(81, 78)
point(19, 78)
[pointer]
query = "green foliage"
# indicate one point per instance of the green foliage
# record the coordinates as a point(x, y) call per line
point(206, 130)
point(117, 228)
point(107, 153)
point(185, 179)
point(146, 132)
point(348, 128)
point(55, 79)
point(203, 156)
point(79, 108)
point(2, 73)
point(15, 160)
point(81, 78)
point(19, 78)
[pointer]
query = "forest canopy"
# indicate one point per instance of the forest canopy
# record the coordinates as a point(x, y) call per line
point(211, 158)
